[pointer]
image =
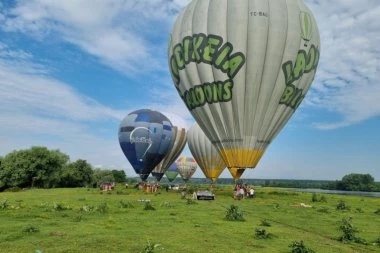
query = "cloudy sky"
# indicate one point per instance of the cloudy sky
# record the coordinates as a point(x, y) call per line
point(71, 70)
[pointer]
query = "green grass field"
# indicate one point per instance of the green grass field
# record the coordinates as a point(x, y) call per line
point(84, 220)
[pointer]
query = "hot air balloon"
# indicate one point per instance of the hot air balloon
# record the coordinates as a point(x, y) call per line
point(179, 142)
point(242, 68)
point(171, 172)
point(206, 155)
point(145, 137)
point(236, 173)
point(186, 167)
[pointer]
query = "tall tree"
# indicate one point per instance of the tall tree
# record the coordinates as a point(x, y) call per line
point(77, 174)
point(36, 166)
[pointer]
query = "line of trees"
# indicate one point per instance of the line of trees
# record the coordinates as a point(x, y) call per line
point(355, 182)
point(44, 168)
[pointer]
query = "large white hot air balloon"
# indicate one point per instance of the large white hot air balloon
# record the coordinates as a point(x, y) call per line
point(179, 142)
point(206, 155)
point(242, 67)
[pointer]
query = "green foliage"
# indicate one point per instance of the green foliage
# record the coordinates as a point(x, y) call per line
point(151, 247)
point(282, 193)
point(314, 198)
point(167, 204)
point(357, 182)
point(126, 204)
point(87, 209)
point(4, 204)
point(60, 207)
point(77, 174)
point(342, 205)
point(261, 233)
point(323, 199)
point(30, 229)
point(13, 189)
point(359, 210)
point(234, 214)
point(299, 247)
point(377, 211)
point(102, 208)
point(149, 207)
point(265, 223)
point(119, 176)
point(349, 232)
point(34, 167)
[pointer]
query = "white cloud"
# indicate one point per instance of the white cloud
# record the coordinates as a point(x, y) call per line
point(347, 80)
point(122, 34)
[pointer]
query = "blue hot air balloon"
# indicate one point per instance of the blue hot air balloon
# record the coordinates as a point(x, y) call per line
point(145, 137)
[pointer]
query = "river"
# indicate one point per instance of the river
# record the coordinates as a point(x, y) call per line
point(353, 193)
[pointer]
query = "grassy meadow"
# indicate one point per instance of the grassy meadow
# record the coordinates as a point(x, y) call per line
point(86, 220)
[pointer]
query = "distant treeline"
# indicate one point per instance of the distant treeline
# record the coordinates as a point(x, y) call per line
point(43, 168)
point(350, 182)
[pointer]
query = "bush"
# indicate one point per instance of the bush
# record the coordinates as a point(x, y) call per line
point(323, 199)
point(265, 223)
point(149, 207)
point(87, 209)
point(377, 211)
point(31, 229)
point(314, 198)
point(359, 210)
point(13, 189)
point(349, 232)
point(102, 208)
point(299, 247)
point(150, 247)
point(4, 204)
point(126, 204)
point(60, 207)
point(342, 205)
point(233, 214)
point(261, 233)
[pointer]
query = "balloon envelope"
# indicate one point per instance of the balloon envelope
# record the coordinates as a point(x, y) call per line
point(204, 152)
point(186, 167)
point(145, 137)
point(242, 68)
point(172, 172)
point(179, 142)
point(236, 173)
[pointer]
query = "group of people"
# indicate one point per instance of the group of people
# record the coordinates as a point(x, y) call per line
point(243, 191)
point(148, 187)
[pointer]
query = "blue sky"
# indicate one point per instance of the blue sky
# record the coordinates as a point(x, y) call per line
point(71, 70)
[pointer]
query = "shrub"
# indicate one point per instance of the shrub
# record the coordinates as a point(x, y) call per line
point(148, 207)
point(87, 209)
point(265, 223)
point(126, 204)
point(349, 232)
point(377, 211)
point(299, 247)
point(151, 247)
point(4, 204)
point(102, 207)
point(323, 199)
point(359, 210)
point(60, 207)
point(261, 233)
point(342, 205)
point(31, 229)
point(13, 189)
point(233, 214)
point(314, 198)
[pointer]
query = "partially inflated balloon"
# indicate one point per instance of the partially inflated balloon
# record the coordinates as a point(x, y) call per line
point(242, 68)
point(145, 137)
point(206, 155)
point(172, 172)
point(186, 167)
point(179, 142)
